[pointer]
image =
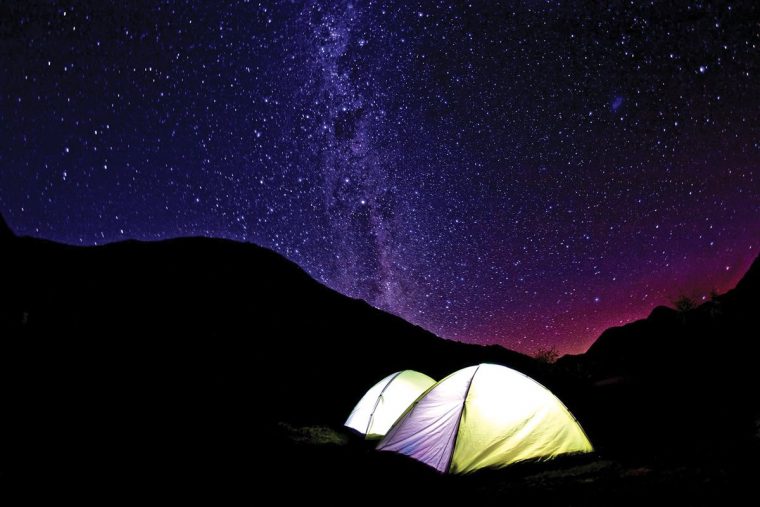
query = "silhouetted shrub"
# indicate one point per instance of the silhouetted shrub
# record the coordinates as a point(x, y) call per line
point(684, 303)
point(546, 354)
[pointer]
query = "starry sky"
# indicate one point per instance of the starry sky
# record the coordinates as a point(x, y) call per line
point(526, 173)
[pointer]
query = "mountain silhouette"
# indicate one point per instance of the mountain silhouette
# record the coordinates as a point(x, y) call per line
point(189, 350)
point(5, 231)
point(724, 325)
point(679, 380)
point(222, 300)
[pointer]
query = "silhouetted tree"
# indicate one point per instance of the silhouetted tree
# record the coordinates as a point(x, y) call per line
point(684, 303)
point(546, 354)
point(715, 306)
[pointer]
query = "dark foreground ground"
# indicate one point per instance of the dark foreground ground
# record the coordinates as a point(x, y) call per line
point(337, 465)
point(318, 465)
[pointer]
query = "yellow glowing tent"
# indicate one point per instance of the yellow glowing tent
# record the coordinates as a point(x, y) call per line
point(386, 401)
point(485, 416)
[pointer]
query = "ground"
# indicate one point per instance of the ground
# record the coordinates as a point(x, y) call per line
point(337, 465)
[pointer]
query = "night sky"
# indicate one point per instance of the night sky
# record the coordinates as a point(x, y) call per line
point(526, 175)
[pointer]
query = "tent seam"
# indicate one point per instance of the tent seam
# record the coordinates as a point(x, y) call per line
point(377, 401)
point(459, 420)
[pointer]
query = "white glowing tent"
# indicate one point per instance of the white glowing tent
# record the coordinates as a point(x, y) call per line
point(386, 401)
point(485, 416)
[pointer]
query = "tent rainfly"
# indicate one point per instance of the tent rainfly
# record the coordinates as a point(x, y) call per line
point(485, 416)
point(386, 401)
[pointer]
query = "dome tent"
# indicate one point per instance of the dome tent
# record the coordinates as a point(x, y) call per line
point(386, 401)
point(485, 416)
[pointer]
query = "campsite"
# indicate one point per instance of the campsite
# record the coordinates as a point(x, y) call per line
point(192, 395)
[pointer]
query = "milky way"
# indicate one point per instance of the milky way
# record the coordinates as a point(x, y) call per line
point(526, 174)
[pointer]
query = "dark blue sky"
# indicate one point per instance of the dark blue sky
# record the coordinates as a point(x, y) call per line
point(526, 175)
